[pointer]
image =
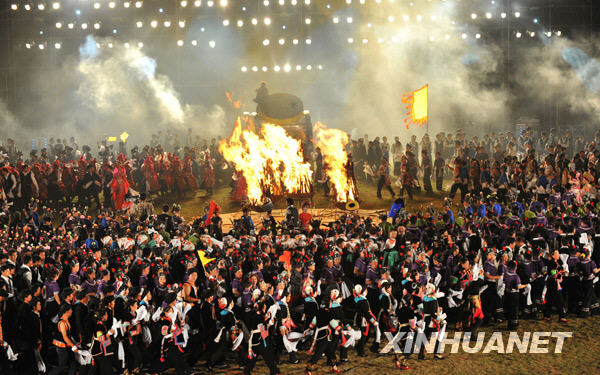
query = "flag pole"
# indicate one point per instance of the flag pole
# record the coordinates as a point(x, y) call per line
point(428, 111)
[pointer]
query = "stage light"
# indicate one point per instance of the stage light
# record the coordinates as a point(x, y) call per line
point(488, 15)
point(138, 4)
point(254, 21)
point(431, 38)
point(295, 41)
point(266, 3)
point(240, 23)
point(266, 42)
point(183, 3)
point(27, 45)
point(281, 2)
point(558, 33)
point(365, 41)
point(111, 5)
point(182, 24)
point(276, 68)
point(532, 34)
point(287, 68)
point(96, 26)
point(202, 29)
point(447, 37)
point(139, 24)
point(255, 68)
point(223, 3)
point(379, 40)
point(264, 68)
point(307, 21)
point(110, 45)
point(348, 1)
point(70, 26)
point(548, 34)
point(127, 45)
point(405, 18)
point(535, 20)
point(503, 15)
point(517, 14)
point(294, 2)
point(298, 68)
point(180, 42)
point(394, 39)
point(244, 69)
point(307, 2)
point(41, 32)
point(212, 44)
point(96, 5)
point(56, 5)
point(391, 18)
point(309, 67)
point(14, 7)
point(58, 25)
point(320, 67)
point(194, 42)
point(140, 44)
point(350, 40)
point(419, 18)
point(114, 31)
point(464, 36)
point(336, 19)
point(84, 26)
point(126, 4)
point(27, 7)
point(473, 16)
point(518, 34)
point(41, 46)
point(41, 6)
point(281, 41)
point(308, 41)
point(349, 20)
point(362, 1)
point(153, 24)
point(160, 10)
point(167, 23)
point(478, 36)
point(267, 21)
point(210, 3)
point(197, 3)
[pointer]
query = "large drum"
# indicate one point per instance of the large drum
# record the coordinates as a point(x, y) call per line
point(281, 109)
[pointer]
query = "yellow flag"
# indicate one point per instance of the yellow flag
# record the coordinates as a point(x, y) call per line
point(420, 104)
point(418, 111)
point(112, 139)
point(203, 258)
point(124, 136)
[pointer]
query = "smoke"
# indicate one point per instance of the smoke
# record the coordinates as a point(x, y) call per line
point(561, 73)
point(105, 91)
point(405, 55)
point(474, 84)
point(10, 125)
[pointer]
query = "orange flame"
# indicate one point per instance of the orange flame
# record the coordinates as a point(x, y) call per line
point(332, 143)
point(271, 161)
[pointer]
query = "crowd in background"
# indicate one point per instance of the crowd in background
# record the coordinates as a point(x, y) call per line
point(99, 291)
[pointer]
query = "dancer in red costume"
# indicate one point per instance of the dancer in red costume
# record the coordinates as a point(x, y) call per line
point(188, 174)
point(240, 193)
point(209, 173)
point(119, 184)
point(150, 175)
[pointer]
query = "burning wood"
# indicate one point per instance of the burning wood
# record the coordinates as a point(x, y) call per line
point(270, 160)
point(337, 164)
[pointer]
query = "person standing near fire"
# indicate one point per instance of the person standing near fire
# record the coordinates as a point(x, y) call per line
point(384, 178)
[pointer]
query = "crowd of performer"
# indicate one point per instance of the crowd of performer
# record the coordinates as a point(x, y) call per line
point(120, 288)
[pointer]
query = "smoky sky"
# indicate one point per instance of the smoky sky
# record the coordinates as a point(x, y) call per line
point(98, 92)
